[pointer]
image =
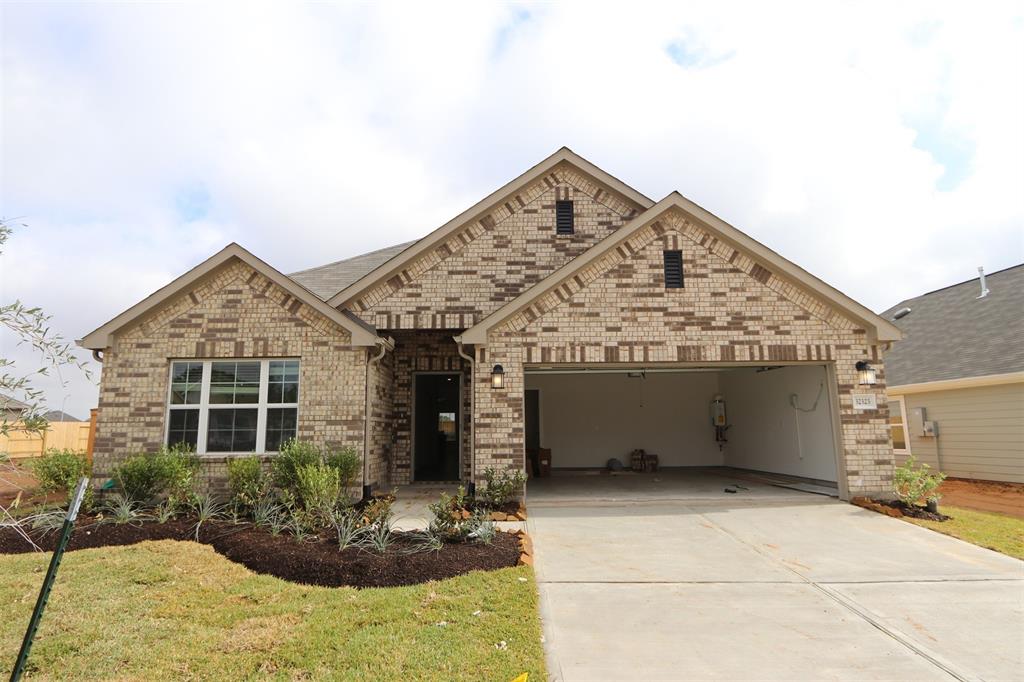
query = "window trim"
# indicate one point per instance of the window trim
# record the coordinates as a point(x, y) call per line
point(903, 421)
point(204, 406)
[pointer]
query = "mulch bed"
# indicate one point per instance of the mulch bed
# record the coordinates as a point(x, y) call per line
point(313, 562)
point(897, 509)
point(913, 510)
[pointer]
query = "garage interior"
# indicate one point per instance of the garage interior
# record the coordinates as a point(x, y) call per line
point(780, 423)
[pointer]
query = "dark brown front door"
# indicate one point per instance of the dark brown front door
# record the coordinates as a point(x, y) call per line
point(437, 428)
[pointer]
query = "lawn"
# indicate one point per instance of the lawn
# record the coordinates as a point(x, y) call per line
point(169, 609)
point(995, 531)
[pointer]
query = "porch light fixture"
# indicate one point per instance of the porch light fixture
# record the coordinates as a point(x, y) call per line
point(865, 373)
point(497, 377)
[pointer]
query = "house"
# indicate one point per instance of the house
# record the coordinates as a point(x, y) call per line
point(956, 381)
point(566, 310)
point(12, 409)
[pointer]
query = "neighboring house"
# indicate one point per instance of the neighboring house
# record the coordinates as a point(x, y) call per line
point(961, 367)
point(565, 311)
point(12, 409)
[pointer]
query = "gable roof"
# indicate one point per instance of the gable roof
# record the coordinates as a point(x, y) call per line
point(879, 328)
point(362, 334)
point(481, 208)
point(952, 334)
point(12, 404)
point(327, 280)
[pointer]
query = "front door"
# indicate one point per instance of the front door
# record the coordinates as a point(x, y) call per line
point(437, 427)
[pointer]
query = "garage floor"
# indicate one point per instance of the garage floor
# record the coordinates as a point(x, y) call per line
point(687, 484)
point(678, 581)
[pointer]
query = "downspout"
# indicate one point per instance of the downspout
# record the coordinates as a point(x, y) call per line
point(383, 345)
point(471, 486)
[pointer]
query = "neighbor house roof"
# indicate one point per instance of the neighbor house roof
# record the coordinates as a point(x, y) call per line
point(9, 404)
point(59, 416)
point(951, 333)
point(327, 280)
point(362, 333)
point(481, 208)
point(880, 329)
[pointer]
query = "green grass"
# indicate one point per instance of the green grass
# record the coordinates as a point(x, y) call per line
point(162, 610)
point(995, 531)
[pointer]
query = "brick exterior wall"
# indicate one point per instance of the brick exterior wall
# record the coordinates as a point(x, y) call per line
point(234, 313)
point(617, 310)
point(496, 258)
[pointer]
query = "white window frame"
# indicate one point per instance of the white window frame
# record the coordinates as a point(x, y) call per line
point(903, 417)
point(204, 405)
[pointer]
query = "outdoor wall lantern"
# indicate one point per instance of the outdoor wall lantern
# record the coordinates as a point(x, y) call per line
point(497, 376)
point(865, 373)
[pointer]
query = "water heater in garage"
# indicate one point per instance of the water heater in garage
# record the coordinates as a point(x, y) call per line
point(718, 417)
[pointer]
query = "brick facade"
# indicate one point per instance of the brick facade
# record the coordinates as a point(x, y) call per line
point(234, 313)
point(617, 310)
point(495, 258)
point(614, 310)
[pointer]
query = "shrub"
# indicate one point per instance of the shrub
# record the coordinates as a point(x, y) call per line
point(502, 487)
point(450, 517)
point(60, 471)
point(378, 510)
point(912, 485)
point(318, 488)
point(248, 483)
point(294, 454)
point(170, 472)
point(347, 462)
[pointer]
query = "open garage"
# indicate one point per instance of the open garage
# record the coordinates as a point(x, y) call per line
point(778, 419)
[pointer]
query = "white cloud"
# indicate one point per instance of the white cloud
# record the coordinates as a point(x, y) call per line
point(138, 139)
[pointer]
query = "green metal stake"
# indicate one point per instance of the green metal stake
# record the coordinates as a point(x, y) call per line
point(51, 575)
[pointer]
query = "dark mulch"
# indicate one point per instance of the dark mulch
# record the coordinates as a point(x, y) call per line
point(508, 508)
point(914, 511)
point(313, 562)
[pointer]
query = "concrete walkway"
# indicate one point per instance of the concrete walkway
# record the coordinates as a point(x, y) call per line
point(771, 586)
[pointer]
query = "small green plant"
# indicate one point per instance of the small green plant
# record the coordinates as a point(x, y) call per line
point(206, 509)
point(378, 509)
point(248, 482)
point(450, 517)
point(912, 485)
point(165, 511)
point(60, 471)
point(46, 521)
point(318, 488)
point(169, 472)
point(482, 529)
point(265, 511)
point(502, 487)
point(378, 536)
point(346, 527)
point(123, 510)
point(424, 541)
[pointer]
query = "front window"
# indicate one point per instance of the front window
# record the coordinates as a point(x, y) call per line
point(233, 405)
point(898, 426)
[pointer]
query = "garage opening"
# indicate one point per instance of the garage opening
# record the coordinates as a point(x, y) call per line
point(778, 419)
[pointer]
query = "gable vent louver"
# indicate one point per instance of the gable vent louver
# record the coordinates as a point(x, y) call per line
point(563, 217)
point(673, 269)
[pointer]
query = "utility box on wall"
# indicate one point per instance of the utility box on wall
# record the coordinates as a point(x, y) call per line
point(920, 425)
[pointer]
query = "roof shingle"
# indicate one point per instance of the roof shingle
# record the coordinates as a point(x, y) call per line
point(953, 334)
point(327, 280)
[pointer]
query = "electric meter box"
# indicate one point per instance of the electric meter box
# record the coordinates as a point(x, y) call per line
point(920, 425)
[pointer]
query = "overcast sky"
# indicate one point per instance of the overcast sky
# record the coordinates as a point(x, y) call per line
point(879, 146)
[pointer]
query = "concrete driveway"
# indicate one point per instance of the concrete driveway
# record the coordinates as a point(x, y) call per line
point(767, 585)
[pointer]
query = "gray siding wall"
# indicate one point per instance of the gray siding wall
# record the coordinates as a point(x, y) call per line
point(981, 432)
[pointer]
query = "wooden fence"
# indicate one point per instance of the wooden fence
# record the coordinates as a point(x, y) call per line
point(60, 435)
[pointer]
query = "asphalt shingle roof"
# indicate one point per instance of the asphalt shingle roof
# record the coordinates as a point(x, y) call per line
point(327, 280)
point(953, 334)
